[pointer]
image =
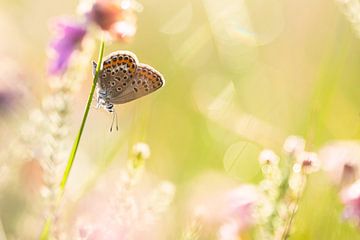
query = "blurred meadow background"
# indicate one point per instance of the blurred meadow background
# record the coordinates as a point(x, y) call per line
point(241, 76)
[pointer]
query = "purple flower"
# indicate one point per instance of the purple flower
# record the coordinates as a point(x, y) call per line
point(13, 89)
point(69, 34)
point(7, 100)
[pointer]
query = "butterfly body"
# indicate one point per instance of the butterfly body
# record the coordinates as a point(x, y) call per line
point(123, 79)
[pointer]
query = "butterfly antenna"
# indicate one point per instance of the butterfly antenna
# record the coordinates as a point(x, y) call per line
point(117, 123)
point(112, 122)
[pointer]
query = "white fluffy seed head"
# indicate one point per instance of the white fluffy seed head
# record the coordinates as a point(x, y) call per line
point(268, 157)
point(141, 151)
point(294, 145)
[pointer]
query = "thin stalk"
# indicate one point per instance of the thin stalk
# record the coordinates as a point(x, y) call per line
point(78, 137)
point(283, 189)
point(46, 229)
point(286, 232)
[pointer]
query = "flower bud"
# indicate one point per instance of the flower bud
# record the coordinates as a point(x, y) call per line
point(294, 145)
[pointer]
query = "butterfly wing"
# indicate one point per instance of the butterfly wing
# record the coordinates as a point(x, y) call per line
point(118, 71)
point(145, 81)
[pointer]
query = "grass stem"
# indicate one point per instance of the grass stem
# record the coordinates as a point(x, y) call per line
point(87, 109)
point(47, 226)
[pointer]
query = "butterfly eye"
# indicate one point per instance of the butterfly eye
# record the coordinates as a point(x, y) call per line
point(118, 89)
point(112, 83)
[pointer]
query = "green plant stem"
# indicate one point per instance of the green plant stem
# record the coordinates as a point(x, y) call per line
point(283, 188)
point(46, 229)
point(78, 137)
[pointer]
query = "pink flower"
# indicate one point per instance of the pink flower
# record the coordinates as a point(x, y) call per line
point(13, 89)
point(216, 205)
point(105, 13)
point(115, 17)
point(307, 162)
point(351, 199)
point(341, 159)
point(7, 100)
point(117, 209)
point(239, 205)
point(229, 231)
point(68, 36)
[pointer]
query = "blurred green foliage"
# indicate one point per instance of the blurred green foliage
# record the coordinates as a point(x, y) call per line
point(293, 65)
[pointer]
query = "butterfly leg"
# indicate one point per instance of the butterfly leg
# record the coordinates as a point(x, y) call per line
point(114, 119)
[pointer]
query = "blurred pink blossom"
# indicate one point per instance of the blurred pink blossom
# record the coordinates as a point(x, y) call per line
point(115, 17)
point(7, 100)
point(105, 13)
point(117, 209)
point(219, 206)
point(351, 199)
point(229, 231)
point(239, 205)
point(341, 159)
point(13, 88)
point(307, 162)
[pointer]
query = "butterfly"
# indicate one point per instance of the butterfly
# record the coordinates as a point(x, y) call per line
point(123, 78)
